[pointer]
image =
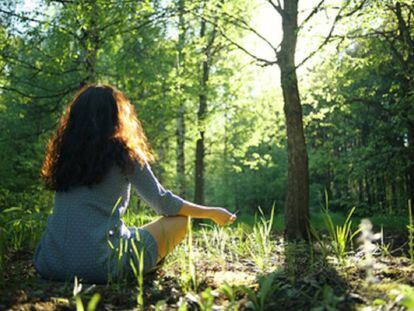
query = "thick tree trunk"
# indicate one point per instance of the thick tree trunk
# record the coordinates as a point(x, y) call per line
point(297, 199)
point(180, 132)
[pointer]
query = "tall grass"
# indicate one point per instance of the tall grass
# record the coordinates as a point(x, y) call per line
point(138, 272)
point(341, 235)
point(189, 280)
point(216, 240)
point(261, 246)
point(19, 228)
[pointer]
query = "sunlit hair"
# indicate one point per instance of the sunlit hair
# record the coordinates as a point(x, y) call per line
point(98, 129)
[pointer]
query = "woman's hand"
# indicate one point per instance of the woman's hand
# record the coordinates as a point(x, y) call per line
point(221, 216)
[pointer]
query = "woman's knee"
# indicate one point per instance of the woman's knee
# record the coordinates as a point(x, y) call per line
point(182, 222)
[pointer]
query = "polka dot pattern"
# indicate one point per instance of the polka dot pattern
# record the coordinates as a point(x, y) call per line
point(85, 235)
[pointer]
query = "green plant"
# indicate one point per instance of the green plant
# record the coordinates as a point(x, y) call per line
point(341, 235)
point(404, 295)
point(410, 228)
point(260, 240)
point(258, 299)
point(93, 302)
point(314, 235)
point(206, 300)
point(215, 240)
point(138, 273)
point(3, 250)
point(327, 299)
point(188, 279)
point(160, 305)
point(385, 248)
point(230, 293)
point(408, 297)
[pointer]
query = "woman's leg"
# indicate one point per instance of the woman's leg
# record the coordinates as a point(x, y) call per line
point(168, 232)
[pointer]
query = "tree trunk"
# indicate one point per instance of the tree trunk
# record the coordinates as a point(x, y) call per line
point(410, 169)
point(297, 199)
point(201, 114)
point(180, 132)
point(90, 42)
point(405, 38)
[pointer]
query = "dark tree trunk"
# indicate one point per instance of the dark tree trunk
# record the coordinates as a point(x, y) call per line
point(380, 192)
point(368, 189)
point(180, 132)
point(180, 137)
point(90, 43)
point(199, 170)
point(201, 115)
point(297, 199)
point(208, 50)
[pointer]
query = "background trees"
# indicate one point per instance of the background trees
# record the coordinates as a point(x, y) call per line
point(360, 115)
point(213, 119)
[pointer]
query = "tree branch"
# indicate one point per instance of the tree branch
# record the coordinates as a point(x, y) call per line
point(315, 10)
point(338, 17)
point(263, 62)
point(277, 7)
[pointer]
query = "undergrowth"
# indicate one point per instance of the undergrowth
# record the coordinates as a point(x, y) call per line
point(239, 267)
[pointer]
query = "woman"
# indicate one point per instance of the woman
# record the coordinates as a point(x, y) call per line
point(97, 153)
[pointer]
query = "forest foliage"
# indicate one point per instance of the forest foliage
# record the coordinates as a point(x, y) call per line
point(357, 108)
point(213, 105)
point(357, 99)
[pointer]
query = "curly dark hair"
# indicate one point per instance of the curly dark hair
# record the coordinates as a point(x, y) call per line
point(99, 128)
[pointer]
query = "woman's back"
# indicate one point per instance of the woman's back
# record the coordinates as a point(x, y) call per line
point(83, 233)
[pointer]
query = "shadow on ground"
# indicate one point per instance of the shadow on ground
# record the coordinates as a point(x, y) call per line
point(307, 281)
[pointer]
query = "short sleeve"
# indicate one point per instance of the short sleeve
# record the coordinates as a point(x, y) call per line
point(148, 187)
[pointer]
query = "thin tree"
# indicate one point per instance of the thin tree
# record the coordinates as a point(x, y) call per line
point(180, 130)
point(211, 46)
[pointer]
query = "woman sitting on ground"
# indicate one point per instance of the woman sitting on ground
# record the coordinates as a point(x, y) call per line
point(98, 151)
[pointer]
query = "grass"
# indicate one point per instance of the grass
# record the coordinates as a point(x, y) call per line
point(244, 266)
point(340, 235)
point(410, 228)
point(387, 222)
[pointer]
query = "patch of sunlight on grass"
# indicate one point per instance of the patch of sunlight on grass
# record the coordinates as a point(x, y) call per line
point(234, 278)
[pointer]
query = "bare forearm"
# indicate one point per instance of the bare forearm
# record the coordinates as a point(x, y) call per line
point(196, 210)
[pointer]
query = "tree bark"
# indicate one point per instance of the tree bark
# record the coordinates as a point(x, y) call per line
point(297, 199)
point(201, 114)
point(180, 132)
point(90, 42)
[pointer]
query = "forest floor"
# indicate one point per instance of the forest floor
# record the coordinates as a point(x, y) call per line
point(234, 269)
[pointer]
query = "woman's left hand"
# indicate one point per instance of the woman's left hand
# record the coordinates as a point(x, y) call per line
point(221, 216)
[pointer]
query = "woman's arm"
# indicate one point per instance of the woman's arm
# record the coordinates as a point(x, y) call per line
point(148, 187)
point(219, 215)
point(167, 203)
